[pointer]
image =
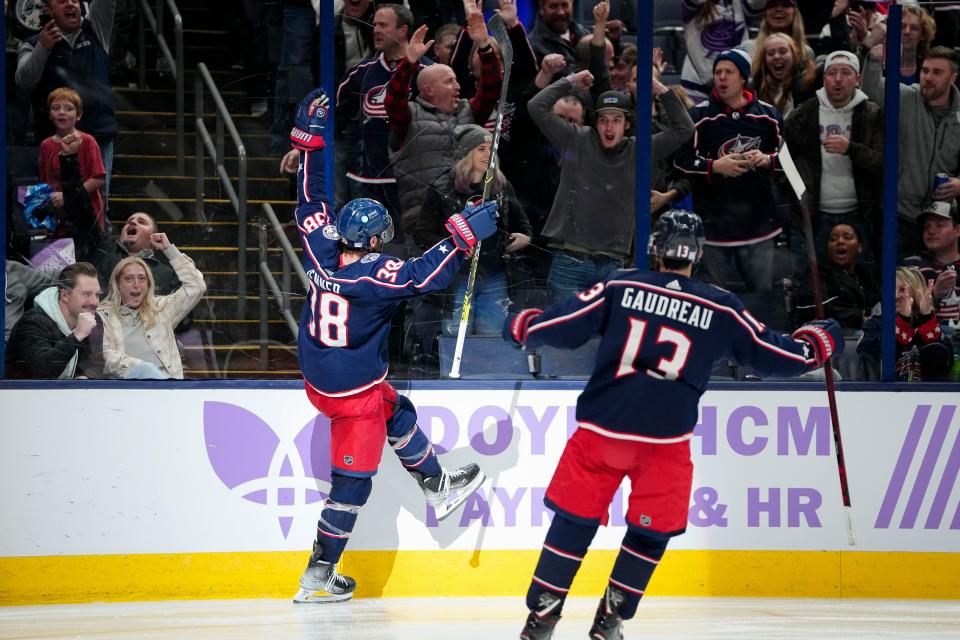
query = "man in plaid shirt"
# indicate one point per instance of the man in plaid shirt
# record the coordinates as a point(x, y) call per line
point(422, 130)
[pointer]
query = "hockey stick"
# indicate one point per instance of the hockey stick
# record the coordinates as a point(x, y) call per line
point(793, 176)
point(499, 32)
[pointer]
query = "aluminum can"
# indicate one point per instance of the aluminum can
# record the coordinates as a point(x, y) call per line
point(940, 179)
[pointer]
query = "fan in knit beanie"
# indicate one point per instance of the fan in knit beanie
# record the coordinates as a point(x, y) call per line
point(468, 137)
point(739, 58)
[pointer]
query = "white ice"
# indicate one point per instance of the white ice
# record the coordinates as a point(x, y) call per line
point(483, 619)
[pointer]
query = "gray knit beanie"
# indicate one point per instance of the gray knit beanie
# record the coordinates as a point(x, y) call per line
point(468, 137)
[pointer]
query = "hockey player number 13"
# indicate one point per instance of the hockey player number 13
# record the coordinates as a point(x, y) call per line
point(330, 319)
point(668, 368)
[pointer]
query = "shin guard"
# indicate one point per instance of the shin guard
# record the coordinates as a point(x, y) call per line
point(563, 551)
point(639, 556)
point(409, 442)
point(339, 514)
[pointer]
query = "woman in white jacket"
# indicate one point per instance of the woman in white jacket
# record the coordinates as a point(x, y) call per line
point(138, 337)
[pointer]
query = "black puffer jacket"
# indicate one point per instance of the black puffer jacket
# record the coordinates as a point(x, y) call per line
point(442, 201)
point(848, 296)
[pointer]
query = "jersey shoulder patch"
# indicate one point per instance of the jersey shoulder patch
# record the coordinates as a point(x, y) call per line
point(330, 232)
point(370, 257)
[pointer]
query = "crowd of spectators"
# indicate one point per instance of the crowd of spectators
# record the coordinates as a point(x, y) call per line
point(59, 327)
point(418, 85)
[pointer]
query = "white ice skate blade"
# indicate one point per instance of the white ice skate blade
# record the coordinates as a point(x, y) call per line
point(447, 508)
point(309, 597)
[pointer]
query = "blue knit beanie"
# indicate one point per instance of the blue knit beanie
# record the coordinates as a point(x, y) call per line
point(738, 58)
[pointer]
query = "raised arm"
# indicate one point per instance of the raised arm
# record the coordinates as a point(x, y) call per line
point(438, 266)
point(178, 304)
point(484, 101)
point(312, 213)
point(560, 132)
point(397, 100)
point(677, 124)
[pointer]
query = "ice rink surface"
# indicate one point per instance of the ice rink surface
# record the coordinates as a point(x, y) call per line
point(483, 619)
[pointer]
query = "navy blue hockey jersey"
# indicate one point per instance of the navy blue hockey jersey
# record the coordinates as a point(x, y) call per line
point(661, 334)
point(365, 90)
point(742, 210)
point(342, 343)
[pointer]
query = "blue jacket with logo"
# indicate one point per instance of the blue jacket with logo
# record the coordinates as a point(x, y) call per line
point(660, 336)
point(741, 210)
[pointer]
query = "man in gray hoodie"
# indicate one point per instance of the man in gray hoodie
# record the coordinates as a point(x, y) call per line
point(929, 136)
point(836, 140)
point(591, 224)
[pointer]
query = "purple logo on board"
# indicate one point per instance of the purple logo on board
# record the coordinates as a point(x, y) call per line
point(254, 462)
point(917, 469)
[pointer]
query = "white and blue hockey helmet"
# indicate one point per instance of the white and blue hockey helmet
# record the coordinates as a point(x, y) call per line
point(360, 220)
point(677, 235)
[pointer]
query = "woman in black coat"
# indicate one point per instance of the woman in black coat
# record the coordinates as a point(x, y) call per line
point(448, 194)
point(848, 287)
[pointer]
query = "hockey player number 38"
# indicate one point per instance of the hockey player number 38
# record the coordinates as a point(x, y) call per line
point(669, 368)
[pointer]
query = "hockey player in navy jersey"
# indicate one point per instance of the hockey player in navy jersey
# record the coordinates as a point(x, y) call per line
point(342, 348)
point(661, 333)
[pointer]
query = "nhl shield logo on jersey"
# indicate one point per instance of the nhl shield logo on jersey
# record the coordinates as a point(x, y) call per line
point(348, 460)
point(370, 257)
point(318, 107)
point(645, 520)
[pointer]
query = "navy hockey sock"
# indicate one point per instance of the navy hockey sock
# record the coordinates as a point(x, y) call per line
point(409, 442)
point(639, 556)
point(563, 551)
point(339, 514)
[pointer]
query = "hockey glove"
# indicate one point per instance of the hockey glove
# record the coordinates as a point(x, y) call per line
point(825, 337)
point(517, 324)
point(310, 121)
point(473, 224)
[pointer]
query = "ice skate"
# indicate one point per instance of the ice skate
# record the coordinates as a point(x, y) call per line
point(321, 582)
point(607, 624)
point(543, 619)
point(450, 489)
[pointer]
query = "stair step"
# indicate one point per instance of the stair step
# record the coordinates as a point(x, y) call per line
point(239, 347)
point(228, 249)
point(178, 208)
point(216, 322)
point(214, 56)
point(197, 225)
point(164, 142)
point(162, 79)
point(166, 119)
point(258, 188)
point(165, 99)
point(160, 164)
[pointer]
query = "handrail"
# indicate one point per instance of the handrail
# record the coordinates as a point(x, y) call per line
point(238, 196)
point(175, 61)
point(285, 244)
point(269, 282)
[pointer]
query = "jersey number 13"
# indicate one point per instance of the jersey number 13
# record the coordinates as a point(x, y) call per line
point(667, 368)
